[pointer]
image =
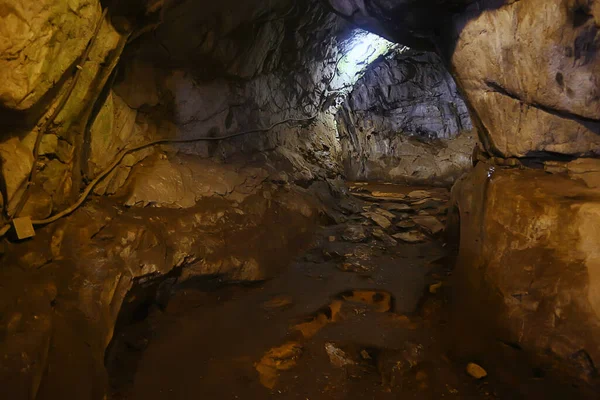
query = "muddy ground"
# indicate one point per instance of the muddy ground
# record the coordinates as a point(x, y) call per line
point(365, 313)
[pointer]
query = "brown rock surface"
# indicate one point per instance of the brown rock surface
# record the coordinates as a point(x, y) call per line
point(39, 42)
point(71, 282)
point(529, 255)
point(529, 70)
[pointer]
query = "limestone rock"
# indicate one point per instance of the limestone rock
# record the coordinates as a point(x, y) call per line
point(521, 108)
point(385, 213)
point(181, 182)
point(354, 234)
point(410, 237)
point(49, 144)
point(406, 224)
point(517, 108)
point(396, 207)
point(337, 356)
point(406, 123)
point(17, 161)
point(429, 224)
point(433, 289)
point(384, 237)
point(378, 219)
point(392, 195)
point(537, 233)
point(39, 41)
point(416, 195)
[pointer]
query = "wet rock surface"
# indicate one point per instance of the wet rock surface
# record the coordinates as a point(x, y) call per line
point(405, 121)
point(526, 68)
point(65, 290)
point(515, 264)
point(317, 331)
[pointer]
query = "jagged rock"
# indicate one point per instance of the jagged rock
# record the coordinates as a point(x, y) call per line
point(410, 237)
point(384, 237)
point(40, 40)
point(105, 244)
point(337, 356)
point(584, 169)
point(378, 219)
point(406, 224)
point(354, 234)
point(403, 123)
point(385, 213)
point(554, 111)
point(353, 266)
point(182, 181)
point(429, 224)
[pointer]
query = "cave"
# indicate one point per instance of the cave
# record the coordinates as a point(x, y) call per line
point(319, 199)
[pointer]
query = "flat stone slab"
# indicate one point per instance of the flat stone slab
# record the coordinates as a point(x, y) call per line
point(410, 237)
point(378, 219)
point(430, 224)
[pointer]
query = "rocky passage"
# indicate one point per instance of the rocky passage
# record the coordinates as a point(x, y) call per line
point(404, 121)
point(254, 197)
point(362, 314)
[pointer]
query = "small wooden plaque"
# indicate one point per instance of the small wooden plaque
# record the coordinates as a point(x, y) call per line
point(23, 227)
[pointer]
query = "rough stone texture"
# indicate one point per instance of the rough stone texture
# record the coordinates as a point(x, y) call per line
point(64, 147)
point(530, 72)
point(533, 273)
point(404, 120)
point(219, 82)
point(39, 42)
point(528, 69)
point(65, 289)
point(414, 23)
point(16, 164)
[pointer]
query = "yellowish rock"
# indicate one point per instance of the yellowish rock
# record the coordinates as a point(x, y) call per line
point(476, 371)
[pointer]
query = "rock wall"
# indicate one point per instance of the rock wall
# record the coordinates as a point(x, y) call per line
point(534, 271)
point(527, 69)
point(529, 72)
point(404, 120)
point(153, 78)
point(259, 73)
point(64, 290)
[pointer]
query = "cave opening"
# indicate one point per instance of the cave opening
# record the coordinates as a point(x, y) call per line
point(327, 199)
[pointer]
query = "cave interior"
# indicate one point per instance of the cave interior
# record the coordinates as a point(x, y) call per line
point(318, 199)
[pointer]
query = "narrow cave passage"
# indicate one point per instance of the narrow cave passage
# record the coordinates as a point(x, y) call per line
point(327, 199)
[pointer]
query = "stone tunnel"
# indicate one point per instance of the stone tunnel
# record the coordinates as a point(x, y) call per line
point(318, 199)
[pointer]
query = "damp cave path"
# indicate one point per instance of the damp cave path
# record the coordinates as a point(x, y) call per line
point(208, 340)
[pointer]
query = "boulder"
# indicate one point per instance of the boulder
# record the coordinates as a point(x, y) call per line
point(528, 264)
point(529, 71)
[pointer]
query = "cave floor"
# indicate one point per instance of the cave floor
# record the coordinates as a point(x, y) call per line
point(352, 317)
